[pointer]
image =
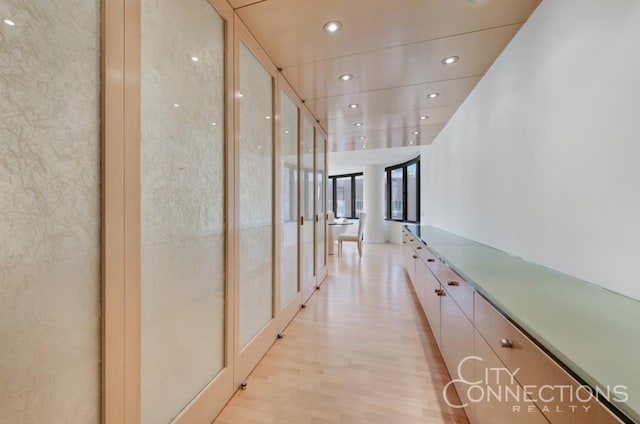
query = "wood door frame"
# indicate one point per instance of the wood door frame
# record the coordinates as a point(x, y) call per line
point(120, 211)
point(212, 399)
point(292, 307)
point(321, 272)
point(307, 288)
point(247, 357)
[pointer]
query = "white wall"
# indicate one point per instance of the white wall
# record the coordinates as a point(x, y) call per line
point(373, 198)
point(542, 159)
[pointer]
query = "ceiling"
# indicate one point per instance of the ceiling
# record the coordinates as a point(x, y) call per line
point(394, 50)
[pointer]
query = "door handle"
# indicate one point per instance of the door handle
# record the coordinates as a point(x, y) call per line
point(506, 343)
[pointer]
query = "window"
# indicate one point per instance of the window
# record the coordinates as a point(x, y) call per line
point(402, 191)
point(344, 197)
point(359, 197)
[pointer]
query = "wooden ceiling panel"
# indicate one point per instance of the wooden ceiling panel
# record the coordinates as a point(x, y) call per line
point(291, 30)
point(241, 3)
point(404, 65)
point(412, 100)
point(394, 49)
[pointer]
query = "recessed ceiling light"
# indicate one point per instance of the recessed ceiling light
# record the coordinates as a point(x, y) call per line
point(240, 95)
point(286, 132)
point(267, 117)
point(310, 150)
point(176, 105)
point(433, 95)
point(195, 59)
point(259, 147)
point(423, 117)
point(449, 60)
point(214, 124)
point(416, 132)
point(354, 105)
point(362, 137)
point(332, 26)
point(358, 124)
point(364, 146)
point(346, 77)
point(411, 142)
point(9, 22)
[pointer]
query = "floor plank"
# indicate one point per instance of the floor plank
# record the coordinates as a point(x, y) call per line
point(361, 352)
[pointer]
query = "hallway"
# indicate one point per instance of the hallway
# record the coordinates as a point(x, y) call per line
point(361, 352)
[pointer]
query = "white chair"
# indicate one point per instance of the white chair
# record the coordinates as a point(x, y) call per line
point(354, 237)
point(331, 217)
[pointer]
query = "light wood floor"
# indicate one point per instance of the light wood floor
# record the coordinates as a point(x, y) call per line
point(359, 353)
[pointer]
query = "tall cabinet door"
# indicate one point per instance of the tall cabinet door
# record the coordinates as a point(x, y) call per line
point(183, 267)
point(321, 209)
point(289, 250)
point(255, 327)
point(307, 208)
point(50, 221)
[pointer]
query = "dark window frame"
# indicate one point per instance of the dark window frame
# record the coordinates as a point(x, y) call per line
point(334, 201)
point(405, 194)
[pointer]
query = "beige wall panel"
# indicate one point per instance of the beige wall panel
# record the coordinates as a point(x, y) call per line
point(183, 308)
point(50, 212)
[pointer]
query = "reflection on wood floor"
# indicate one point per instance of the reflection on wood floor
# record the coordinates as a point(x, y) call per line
point(359, 353)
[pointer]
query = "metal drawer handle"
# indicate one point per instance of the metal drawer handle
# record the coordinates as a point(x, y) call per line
point(404, 242)
point(440, 292)
point(414, 257)
point(453, 283)
point(410, 239)
point(431, 260)
point(419, 247)
point(506, 343)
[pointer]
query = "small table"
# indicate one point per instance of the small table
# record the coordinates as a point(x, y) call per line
point(331, 240)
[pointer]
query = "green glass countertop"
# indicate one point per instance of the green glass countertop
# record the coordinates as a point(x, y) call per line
point(593, 331)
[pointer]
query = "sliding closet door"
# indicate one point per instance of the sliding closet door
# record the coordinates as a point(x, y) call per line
point(289, 200)
point(255, 200)
point(308, 188)
point(50, 212)
point(321, 212)
point(182, 204)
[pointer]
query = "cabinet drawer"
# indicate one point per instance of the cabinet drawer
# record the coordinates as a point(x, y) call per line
point(504, 409)
point(511, 346)
point(558, 400)
point(424, 253)
point(458, 289)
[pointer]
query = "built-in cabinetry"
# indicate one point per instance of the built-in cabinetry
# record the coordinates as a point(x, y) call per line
point(499, 373)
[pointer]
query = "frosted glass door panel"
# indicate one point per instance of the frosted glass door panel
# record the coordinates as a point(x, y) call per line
point(321, 197)
point(289, 190)
point(182, 203)
point(256, 192)
point(50, 211)
point(308, 198)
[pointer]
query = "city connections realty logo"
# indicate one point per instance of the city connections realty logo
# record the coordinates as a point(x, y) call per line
point(499, 384)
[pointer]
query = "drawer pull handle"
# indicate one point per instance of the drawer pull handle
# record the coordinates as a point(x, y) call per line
point(453, 283)
point(414, 257)
point(440, 292)
point(419, 247)
point(506, 343)
point(410, 239)
point(404, 242)
point(431, 260)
